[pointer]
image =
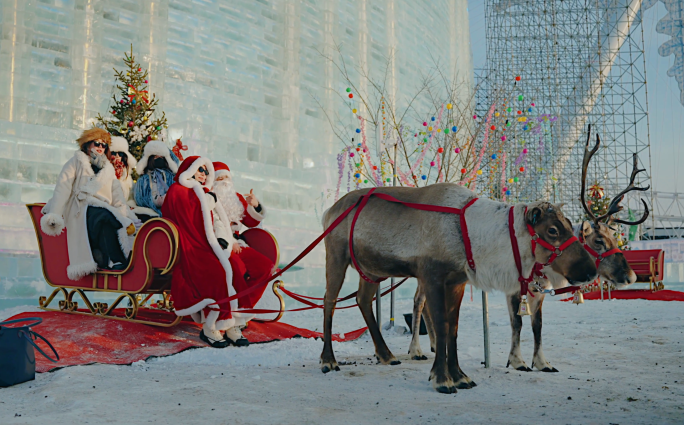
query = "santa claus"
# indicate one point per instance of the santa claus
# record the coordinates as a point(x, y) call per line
point(249, 265)
point(204, 274)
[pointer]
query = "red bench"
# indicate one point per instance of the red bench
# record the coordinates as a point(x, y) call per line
point(648, 265)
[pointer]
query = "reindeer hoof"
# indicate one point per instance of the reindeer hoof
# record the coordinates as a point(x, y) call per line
point(464, 386)
point(394, 362)
point(549, 369)
point(325, 369)
point(473, 384)
point(523, 369)
point(445, 389)
point(422, 357)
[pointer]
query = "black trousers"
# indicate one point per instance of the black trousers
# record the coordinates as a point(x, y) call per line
point(103, 237)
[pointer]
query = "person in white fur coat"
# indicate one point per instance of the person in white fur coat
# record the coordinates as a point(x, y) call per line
point(123, 163)
point(88, 200)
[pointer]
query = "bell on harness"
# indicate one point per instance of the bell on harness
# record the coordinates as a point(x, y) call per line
point(524, 309)
point(578, 298)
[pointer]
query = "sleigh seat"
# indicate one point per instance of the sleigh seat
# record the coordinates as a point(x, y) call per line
point(149, 272)
point(649, 265)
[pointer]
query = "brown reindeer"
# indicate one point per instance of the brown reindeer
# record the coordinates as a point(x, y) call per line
point(395, 240)
point(595, 235)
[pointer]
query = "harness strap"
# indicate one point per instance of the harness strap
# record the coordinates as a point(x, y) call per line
point(599, 257)
point(524, 282)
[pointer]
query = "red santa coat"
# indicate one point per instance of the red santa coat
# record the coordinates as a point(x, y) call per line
point(203, 273)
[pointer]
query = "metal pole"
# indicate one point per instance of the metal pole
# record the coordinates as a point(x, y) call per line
point(394, 183)
point(485, 327)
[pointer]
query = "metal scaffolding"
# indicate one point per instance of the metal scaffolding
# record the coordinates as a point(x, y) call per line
point(581, 61)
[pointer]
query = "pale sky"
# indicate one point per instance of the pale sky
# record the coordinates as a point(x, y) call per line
point(665, 112)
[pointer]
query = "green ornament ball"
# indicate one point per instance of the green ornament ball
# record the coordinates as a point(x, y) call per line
point(348, 90)
point(521, 97)
point(509, 109)
point(515, 179)
point(365, 181)
point(159, 127)
point(446, 131)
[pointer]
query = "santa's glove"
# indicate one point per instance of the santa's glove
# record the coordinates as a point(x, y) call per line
point(52, 224)
point(223, 243)
point(130, 229)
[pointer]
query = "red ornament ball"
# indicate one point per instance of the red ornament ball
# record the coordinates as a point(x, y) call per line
point(463, 170)
point(131, 123)
point(519, 112)
point(424, 124)
point(440, 150)
point(493, 127)
point(517, 78)
point(457, 150)
point(375, 167)
point(522, 169)
point(139, 69)
point(351, 95)
point(351, 155)
point(358, 149)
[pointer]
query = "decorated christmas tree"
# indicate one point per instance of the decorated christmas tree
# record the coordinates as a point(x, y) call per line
point(597, 201)
point(132, 115)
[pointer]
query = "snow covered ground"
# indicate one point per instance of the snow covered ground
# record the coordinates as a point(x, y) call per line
point(620, 362)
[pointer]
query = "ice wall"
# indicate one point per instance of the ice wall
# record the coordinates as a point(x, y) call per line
point(237, 80)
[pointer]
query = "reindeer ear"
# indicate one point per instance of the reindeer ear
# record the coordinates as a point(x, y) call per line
point(559, 206)
point(534, 215)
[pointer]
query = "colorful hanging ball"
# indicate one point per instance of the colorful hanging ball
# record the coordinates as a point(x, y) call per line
point(532, 104)
point(496, 114)
point(425, 139)
point(357, 175)
point(474, 117)
point(509, 109)
point(365, 181)
point(492, 127)
point(133, 101)
point(348, 90)
point(351, 96)
point(121, 101)
point(375, 167)
point(521, 97)
point(515, 180)
point(358, 149)
point(139, 69)
point(387, 180)
point(529, 109)
point(440, 150)
point(358, 130)
point(424, 177)
point(508, 192)
point(130, 123)
point(354, 111)
point(424, 124)
point(463, 170)
point(159, 127)
point(525, 150)
point(446, 131)
point(351, 154)
point(522, 169)
point(517, 78)
point(503, 138)
point(415, 135)
point(493, 156)
point(430, 128)
point(454, 128)
point(525, 128)
point(457, 150)
point(510, 180)
point(432, 163)
point(519, 112)
point(449, 106)
point(479, 172)
point(358, 144)
point(505, 189)
point(432, 119)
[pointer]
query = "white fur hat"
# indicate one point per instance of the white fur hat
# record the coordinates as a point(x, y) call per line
point(156, 147)
point(119, 144)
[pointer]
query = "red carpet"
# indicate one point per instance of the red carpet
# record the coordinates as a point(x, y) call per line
point(83, 340)
point(636, 294)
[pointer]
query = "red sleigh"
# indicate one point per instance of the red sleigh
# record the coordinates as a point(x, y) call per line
point(154, 255)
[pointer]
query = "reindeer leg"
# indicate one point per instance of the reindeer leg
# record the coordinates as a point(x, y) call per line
point(335, 272)
point(515, 357)
point(454, 297)
point(539, 361)
point(365, 300)
point(434, 296)
point(430, 329)
point(418, 303)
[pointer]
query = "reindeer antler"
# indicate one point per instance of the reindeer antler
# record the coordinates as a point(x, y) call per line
point(585, 164)
point(615, 206)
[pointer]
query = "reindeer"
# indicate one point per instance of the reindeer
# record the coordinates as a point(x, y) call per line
point(391, 239)
point(595, 235)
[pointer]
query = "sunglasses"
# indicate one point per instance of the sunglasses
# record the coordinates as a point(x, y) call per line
point(99, 144)
point(121, 154)
point(203, 170)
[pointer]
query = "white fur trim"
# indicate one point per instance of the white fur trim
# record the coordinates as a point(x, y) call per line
point(52, 224)
point(221, 173)
point(186, 178)
point(156, 147)
point(254, 214)
point(146, 211)
point(76, 272)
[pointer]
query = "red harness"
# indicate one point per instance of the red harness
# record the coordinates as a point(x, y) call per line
point(459, 211)
point(536, 240)
point(599, 257)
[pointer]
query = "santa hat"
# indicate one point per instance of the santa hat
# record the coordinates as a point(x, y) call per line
point(189, 167)
point(221, 169)
point(94, 134)
point(159, 148)
point(119, 144)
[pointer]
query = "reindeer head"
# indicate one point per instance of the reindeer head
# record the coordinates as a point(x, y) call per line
point(600, 236)
point(574, 263)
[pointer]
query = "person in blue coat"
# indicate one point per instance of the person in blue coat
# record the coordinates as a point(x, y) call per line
point(156, 170)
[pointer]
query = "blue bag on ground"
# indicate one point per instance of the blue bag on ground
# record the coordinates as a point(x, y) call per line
point(17, 358)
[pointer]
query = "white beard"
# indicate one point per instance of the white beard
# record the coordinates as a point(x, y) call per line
point(225, 192)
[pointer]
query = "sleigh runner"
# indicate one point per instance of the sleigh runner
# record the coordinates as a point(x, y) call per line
point(152, 260)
